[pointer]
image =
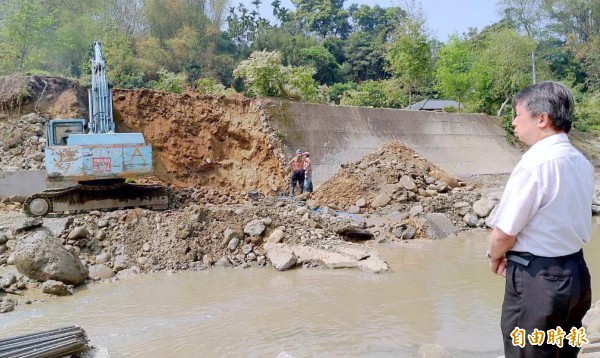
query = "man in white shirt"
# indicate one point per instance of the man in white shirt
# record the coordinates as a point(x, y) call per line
point(542, 222)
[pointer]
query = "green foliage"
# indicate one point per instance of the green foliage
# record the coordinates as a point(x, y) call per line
point(454, 61)
point(409, 55)
point(262, 74)
point(323, 17)
point(170, 82)
point(377, 94)
point(24, 30)
point(319, 58)
point(210, 86)
point(301, 85)
point(337, 90)
point(365, 57)
point(587, 111)
point(501, 69)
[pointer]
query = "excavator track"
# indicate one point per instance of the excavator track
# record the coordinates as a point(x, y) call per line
point(84, 197)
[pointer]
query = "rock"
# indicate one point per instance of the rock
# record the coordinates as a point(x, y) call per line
point(102, 258)
point(11, 259)
point(52, 287)
point(230, 234)
point(102, 223)
point(233, 244)
point(254, 228)
point(409, 233)
point(55, 225)
point(3, 249)
point(408, 183)
point(471, 219)
point(354, 209)
point(361, 203)
point(433, 351)
point(343, 255)
point(101, 272)
point(267, 221)
point(246, 249)
point(483, 207)
point(397, 216)
point(142, 261)
point(30, 224)
point(7, 280)
point(445, 177)
point(438, 226)
point(276, 236)
point(146, 247)
point(281, 256)
point(381, 200)
point(3, 239)
point(41, 257)
point(78, 233)
point(416, 210)
point(121, 262)
point(128, 273)
point(6, 305)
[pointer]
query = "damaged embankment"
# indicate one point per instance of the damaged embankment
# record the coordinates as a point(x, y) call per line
point(226, 163)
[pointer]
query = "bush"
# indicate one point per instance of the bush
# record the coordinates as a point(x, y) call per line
point(210, 86)
point(170, 82)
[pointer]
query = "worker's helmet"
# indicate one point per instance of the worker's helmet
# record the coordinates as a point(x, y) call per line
point(298, 151)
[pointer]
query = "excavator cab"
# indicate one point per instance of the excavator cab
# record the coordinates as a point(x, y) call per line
point(58, 130)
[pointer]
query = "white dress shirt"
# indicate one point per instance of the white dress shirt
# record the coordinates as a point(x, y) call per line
point(548, 198)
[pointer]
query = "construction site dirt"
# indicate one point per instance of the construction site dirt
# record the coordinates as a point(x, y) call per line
point(227, 167)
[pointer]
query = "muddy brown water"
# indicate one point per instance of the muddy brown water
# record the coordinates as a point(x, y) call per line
point(439, 292)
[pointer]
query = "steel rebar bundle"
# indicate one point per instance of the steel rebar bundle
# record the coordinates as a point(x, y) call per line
point(48, 344)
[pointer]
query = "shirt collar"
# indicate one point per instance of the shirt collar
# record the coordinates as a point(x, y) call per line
point(547, 142)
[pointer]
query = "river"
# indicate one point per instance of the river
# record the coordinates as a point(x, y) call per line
point(438, 292)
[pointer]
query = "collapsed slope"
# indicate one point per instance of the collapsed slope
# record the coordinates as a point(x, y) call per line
point(203, 140)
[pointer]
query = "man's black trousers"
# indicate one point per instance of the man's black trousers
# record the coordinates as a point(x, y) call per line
point(544, 293)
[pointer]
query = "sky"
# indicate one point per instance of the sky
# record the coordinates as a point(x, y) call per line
point(444, 17)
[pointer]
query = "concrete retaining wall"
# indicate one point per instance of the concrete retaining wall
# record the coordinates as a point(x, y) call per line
point(461, 144)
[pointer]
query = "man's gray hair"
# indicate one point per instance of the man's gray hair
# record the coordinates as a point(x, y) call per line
point(549, 97)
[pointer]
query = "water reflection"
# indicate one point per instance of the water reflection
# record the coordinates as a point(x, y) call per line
point(439, 292)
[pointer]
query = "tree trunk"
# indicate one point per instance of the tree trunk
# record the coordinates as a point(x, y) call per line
point(502, 106)
point(533, 66)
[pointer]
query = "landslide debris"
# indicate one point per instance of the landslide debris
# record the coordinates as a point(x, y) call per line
point(204, 140)
point(225, 165)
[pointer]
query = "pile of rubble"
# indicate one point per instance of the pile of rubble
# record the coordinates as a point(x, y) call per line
point(396, 183)
point(22, 143)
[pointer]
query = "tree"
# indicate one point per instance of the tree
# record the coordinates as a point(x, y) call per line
point(365, 56)
point(262, 74)
point(452, 72)
point(323, 17)
point(128, 15)
point(322, 61)
point(528, 15)
point(501, 68)
point(409, 53)
point(25, 29)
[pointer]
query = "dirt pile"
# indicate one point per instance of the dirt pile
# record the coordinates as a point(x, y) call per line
point(204, 140)
point(394, 173)
point(57, 97)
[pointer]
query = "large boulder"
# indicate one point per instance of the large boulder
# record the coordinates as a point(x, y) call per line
point(41, 257)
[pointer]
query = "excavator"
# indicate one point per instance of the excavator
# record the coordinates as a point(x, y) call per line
point(98, 159)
